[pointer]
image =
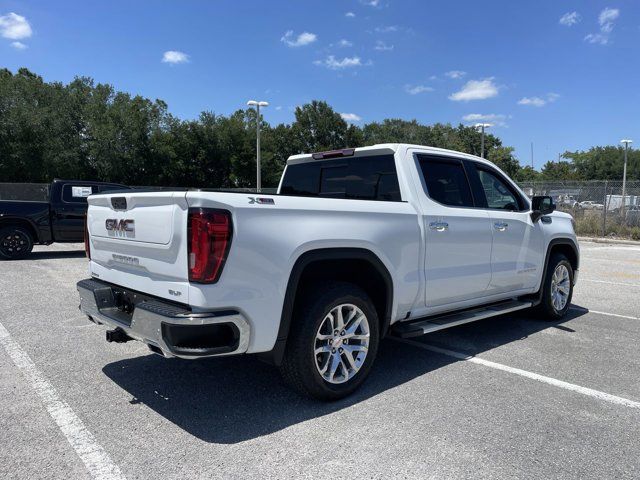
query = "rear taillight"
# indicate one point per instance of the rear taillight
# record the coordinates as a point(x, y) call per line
point(87, 245)
point(209, 237)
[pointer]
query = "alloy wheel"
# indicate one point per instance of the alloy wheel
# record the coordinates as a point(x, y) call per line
point(560, 287)
point(341, 343)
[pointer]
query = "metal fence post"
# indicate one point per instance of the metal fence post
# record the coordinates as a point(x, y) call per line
point(604, 213)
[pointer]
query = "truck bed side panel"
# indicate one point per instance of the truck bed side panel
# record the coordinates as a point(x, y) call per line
point(268, 239)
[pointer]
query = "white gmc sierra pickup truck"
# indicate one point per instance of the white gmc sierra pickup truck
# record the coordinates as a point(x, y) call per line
point(357, 244)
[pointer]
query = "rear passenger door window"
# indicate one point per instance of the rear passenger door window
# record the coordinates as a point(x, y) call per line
point(446, 181)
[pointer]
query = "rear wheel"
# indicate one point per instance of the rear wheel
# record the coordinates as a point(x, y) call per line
point(557, 287)
point(332, 343)
point(15, 243)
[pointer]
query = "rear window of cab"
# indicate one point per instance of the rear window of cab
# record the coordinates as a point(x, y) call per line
point(357, 178)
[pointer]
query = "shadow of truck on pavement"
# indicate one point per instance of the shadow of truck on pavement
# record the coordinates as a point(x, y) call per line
point(234, 399)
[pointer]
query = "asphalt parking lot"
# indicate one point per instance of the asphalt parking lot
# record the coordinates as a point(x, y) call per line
point(509, 397)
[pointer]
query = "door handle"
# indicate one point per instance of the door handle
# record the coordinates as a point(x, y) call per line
point(500, 226)
point(439, 226)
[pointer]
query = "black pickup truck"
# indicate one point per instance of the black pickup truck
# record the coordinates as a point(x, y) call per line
point(60, 218)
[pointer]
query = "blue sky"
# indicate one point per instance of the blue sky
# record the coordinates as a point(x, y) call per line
point(562, 74)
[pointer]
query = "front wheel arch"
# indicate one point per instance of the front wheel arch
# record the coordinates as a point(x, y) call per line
point(564, 246)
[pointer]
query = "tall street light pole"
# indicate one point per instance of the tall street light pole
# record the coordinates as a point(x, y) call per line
point(624, 174)
point(253, 103)
point(482, 126)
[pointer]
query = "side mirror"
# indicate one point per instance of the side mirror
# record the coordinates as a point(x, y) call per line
point(542, 205)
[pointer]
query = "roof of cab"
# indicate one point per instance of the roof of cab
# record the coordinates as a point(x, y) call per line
point(387, 148)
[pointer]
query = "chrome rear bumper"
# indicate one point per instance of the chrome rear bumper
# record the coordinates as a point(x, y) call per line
point(169, 329)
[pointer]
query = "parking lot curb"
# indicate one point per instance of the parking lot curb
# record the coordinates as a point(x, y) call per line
point(608, 240)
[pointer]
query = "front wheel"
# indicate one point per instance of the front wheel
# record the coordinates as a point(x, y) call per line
point(332, 343)
point(557, 287)
point(15, 243)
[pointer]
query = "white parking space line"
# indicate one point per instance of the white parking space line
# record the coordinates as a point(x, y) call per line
point(609, 314)
point(609, 283)
point(609, 247)
point(94, 457)
point(524, 373)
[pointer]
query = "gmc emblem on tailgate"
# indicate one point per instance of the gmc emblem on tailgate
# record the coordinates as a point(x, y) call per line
point(115, 225)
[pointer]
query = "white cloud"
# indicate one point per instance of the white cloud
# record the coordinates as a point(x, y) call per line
point(387, 29)
point(383, 47)
point(416, 89)
point(539, 101)
point(606, 19)
point(279, 107)
point(608, 16)
point(570, 18)
point(14, 26)
point(532, 101)
point(476, 90)
point(345, 43)
point(350, 14)
point(350, 117)
point(305, 38)
point(174, 56)
point(598, 38)
point(371, 3)
point(497, 119)
point(455, 74)
point(18, 45)
point(332, 63)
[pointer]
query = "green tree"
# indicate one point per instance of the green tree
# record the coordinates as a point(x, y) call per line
point(600, 163)
point(560, 171)
point(88, 130)
point(319, 128)
point(394, 130)
point(527, 174)
point(278, 145)
point(504, 159)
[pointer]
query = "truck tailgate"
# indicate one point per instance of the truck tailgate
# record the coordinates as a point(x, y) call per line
point(138, 240)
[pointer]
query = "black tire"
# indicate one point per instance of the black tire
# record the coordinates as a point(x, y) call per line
point(547, 307)
point(299, 368)
point(15, 243)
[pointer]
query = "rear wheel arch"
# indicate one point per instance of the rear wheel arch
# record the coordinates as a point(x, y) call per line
point(358, 266)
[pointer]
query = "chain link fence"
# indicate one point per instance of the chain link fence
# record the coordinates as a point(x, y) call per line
point(597, 205)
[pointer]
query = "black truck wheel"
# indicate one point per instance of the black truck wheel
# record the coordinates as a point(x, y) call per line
point(332, 343)
point(15, 243)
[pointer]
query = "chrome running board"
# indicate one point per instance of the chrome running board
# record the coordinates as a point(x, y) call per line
point(419, 327)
